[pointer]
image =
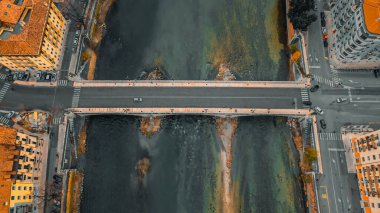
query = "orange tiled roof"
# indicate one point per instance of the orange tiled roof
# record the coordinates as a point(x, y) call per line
point(10, 13)
point(371, 10)
point(7, 136)
point(29, 41)
point(5, 195)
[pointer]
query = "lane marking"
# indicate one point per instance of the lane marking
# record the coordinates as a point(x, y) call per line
point(337, 150)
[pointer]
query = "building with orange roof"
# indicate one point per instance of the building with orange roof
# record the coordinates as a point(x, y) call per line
point(365, 148)
point(19, 160)
point(31, 34)
point(357, 31)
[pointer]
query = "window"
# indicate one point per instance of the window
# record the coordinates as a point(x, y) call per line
point(18, 197)
point(374, 157)
point(368, 158)
point(13, 187)
point(30, 188)
point(19, 188)
point(363, 159)
point(30, 197)
point(24, 187)
point(378, 205)
point(373, 205)
point(24, 197)
point(13, 197)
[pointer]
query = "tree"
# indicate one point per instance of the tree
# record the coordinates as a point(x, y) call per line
point(310, 155)
point(300, 15)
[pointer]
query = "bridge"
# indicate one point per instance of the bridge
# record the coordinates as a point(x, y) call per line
point(161, 97)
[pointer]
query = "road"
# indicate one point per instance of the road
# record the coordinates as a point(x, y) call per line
point(59, 98)
point(337, 189)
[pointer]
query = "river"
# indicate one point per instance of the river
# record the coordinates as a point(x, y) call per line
point(189, 40)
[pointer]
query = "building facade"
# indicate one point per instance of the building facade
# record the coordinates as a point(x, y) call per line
point(19, 170)
point(366, 150)
point(31, 34)
point(356, 31)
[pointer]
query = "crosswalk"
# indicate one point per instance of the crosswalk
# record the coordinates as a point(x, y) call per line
point(330, 136)
point(4, 90)
point(3, 76)
point(62, 83)
point(76, 97)
point(305, 97)
point(335, 77)
point(56, 120)
point(323, 80)
point(4, 120)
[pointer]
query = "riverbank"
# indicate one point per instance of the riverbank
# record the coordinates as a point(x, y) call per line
point(97, 31)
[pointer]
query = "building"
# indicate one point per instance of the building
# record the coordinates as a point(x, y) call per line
point(19, 166)
point(366, 153)
point(31, 34)
point(356, 31)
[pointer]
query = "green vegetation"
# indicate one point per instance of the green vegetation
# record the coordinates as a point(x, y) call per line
point(300, 13)
point(310, 155)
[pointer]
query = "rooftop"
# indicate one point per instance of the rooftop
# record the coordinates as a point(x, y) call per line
point(371, 10)
point(28, 40)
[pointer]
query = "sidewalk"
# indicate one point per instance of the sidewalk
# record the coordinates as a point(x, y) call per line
point(181, 83)
point(210, 111)
point(35, 83)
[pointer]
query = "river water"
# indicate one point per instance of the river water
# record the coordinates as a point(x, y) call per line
point(189, 40)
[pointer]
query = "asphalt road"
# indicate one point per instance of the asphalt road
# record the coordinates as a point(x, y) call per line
point(337, 189)
point(59, 98)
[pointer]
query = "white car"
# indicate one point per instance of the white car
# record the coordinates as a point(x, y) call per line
point(340, 100)
point(318, 110)
point(137, 99)
point(76, 41)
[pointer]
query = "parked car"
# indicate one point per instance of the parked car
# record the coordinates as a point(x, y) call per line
point(376, 73)
point(48, 77)
point(77, 33)
point(20, 75)
point(75, 41)
point(340, 100)
point(137, 99)
point(314, 88)
point(38, 75)
point(325, 43)
point(323, 23)
point(323, 15)
point(318, 110)
point(53, 76)
point(323, 123)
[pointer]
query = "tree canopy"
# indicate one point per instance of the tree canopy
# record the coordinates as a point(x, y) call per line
point(300, 13)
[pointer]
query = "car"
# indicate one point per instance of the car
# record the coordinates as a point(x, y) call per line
point(324, 30)
point(74, 49)
point(325, 43)
point(48, 76)
point(323, 15)
point(137, 99)
point(77, 33)
point(323, 23)
point(323, 123)
point(53, 76)
point(318, 110)
point(25, 76)
point(38, 75)
point(340, 100)
point(75, 41)
point(20, 75)
point(314, 88)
